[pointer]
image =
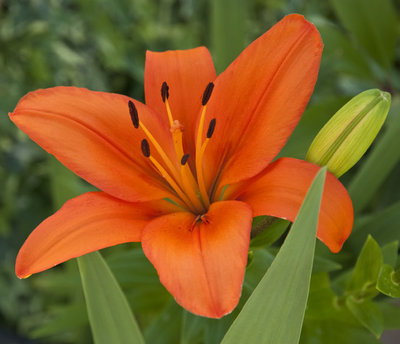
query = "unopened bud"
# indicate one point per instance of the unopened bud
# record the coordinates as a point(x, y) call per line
point(347, 135)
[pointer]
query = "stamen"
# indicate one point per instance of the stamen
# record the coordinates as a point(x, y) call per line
point(201, 148)
point(211, 128)
point(145, 148)
point(184, 159)
point(207, 93)
point(146, 152)
point(165, 96)
point(164, 91)
point(160, 151)
point(190, 186)
point(134, 114)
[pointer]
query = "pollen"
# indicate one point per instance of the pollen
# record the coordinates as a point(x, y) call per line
point(176, 126)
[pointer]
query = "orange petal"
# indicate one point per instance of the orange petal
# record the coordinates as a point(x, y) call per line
point(84, 224)
point(280, 191)
point(202, 264)
point(187, 73)
point(92, 134)
point(259, 99)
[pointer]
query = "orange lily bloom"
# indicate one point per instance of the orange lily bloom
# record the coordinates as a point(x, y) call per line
point(185, 173)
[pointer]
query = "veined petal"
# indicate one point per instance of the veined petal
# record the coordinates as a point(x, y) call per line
point(92, 134)
point(202, 263)
point(84, 224)
point(280, 190)
point(187, 73)
point(259, 99)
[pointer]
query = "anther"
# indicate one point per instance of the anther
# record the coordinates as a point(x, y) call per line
point(145, 148)
point(211, 128)
point(184, 159)
point(207, 93)
point(134, 114)
point(164, 91)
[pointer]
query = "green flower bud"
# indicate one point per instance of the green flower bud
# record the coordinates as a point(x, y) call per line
point(347, 135)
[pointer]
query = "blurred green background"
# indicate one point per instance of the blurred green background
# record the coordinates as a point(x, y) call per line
point(101, 44)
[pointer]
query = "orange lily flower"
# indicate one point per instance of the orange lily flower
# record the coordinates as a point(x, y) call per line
point(185, 173)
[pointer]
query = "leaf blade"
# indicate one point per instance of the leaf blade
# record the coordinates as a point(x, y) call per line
point(110, 317)
point(281, 315)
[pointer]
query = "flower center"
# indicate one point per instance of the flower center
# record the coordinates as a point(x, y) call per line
point(189, 188)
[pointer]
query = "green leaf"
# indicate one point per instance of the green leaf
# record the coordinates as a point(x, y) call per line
point(278, 303)
point(391, 314)
point(320, 304)
point(110, 317)
point(269, 232)
point(228, 18)
point(328, 331)
point(325, 265)
point(373, 24)
point(389, 281)
point(366, 271)
point(367, 313)
point(379, 163)
point(343, 56)
point(63, 318)
point(389, 252)
point(138, 278)
point(382, 225)
point(165, 329)
point(192, 329)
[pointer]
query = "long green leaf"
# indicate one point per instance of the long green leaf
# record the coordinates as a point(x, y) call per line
point(373, 24)
point(274, 312)
point(228, 18)
point(110, 317)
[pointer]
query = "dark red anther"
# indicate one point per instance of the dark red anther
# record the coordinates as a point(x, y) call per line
point(211, 128)
point(164, 91)
point(134, 114)
point(184, 159)
point(145, 148)
point(207, 93)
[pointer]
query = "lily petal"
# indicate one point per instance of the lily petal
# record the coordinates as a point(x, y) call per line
point(84, 224)
point(187, 73)
point(280, 191)
point(259, 99)
point(202, 263)
point(92, 134)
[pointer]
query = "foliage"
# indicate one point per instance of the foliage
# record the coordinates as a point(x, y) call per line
point(101, 45)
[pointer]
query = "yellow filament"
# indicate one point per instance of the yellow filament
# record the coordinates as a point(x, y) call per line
point(190, 187)
point(200, 130)
point(160, 151)
point(171, 182)
point(189, 183)
point(199, 170)
point(171, 120)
